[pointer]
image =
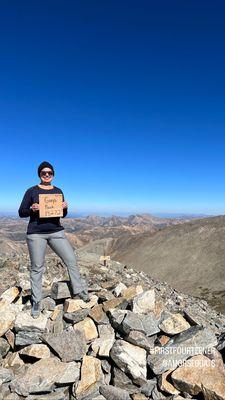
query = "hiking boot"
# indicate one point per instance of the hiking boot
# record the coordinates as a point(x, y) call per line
point(83, 295)
point(36, 309)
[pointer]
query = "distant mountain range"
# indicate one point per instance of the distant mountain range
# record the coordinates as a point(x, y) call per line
point(83, 230)
point(14, 214)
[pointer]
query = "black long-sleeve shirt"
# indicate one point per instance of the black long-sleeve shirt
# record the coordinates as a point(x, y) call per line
point(37, 224)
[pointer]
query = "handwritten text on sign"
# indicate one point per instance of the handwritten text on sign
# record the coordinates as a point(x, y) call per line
point(50, 205)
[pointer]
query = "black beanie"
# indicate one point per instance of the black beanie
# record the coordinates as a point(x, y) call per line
point(43, 165)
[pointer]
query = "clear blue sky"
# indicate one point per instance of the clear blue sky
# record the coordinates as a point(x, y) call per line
point(125, 98)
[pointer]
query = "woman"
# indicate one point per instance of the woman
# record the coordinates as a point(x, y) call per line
point(43, 231)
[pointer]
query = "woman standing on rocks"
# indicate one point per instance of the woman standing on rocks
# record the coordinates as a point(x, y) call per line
point(43, 231)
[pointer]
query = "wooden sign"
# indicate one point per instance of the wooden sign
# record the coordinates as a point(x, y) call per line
point(104, 258)
point(50, 205)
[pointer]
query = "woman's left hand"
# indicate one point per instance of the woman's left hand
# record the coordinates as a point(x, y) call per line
point(64, 204)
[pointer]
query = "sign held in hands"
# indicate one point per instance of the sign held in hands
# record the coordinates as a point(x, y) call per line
point(50, 205)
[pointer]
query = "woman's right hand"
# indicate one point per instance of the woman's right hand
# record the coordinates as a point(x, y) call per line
point(35, 207)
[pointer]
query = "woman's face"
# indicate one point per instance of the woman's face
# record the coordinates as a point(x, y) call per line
point(46, 175)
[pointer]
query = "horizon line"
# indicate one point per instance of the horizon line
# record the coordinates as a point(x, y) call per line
point(165, 214)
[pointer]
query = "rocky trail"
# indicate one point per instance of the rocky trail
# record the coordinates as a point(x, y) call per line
point(137, 338)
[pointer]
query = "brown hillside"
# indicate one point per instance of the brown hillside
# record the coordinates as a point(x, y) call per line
point(190, 256)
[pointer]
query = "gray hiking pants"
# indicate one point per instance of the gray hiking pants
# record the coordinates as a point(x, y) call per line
point(59, 243)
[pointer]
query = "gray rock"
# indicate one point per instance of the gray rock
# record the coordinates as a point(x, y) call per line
point(105, 295)
point(94, 288)
point(4, 347)
point(221, 342)
point(60, 290)
point(157, 395)
point(6, 375)
point(65, 390)
point(121, 380)
point(4, 391)
point(7, 395)
point(70, 373)
point(106, 368)
point(148, 387)
point(76, 316)
point(48, 304)
point(180, 347)
point(69, 345)
point(58, 325)
point(193, 315)
point(48, 396)
point(116, 317)
point(141, 340)
point(24, 338)
point(146, 324)
point(43, 375)
point(113, 393)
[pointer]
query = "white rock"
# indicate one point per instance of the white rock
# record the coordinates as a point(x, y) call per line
point(24, 321)
point(118, 289)
point(104, 343)
point(144, 302)
point(130, 358)
point(10, 294)
point(7, 316)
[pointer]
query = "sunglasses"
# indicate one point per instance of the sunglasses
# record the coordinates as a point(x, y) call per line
point(44, 173)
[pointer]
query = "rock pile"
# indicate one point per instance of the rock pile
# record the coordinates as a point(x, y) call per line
point(135, 339)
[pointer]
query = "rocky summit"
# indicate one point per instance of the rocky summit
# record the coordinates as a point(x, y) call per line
point(137, 338)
